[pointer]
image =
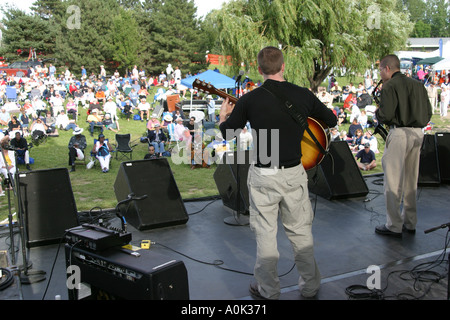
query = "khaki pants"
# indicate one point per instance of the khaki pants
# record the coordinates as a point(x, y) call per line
point(401, 170)
point(282, 193)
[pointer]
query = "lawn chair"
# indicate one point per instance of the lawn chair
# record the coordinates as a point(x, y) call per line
point(11, 93)
point(124, 149)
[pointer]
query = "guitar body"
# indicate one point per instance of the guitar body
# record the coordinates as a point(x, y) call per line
point(311, 154)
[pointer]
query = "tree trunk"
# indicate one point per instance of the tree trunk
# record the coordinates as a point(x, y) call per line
point(316, 80)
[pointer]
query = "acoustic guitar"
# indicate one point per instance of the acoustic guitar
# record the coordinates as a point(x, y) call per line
point(311, 154)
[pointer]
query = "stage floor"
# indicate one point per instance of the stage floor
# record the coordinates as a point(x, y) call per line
point(345, 247)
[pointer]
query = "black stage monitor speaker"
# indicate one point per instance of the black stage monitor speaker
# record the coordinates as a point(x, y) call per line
point(114, 274)
point(338, 175)
point(443, 147)
point(429, 173)
point(163, 205)
point(229, 171)
point(48, 205)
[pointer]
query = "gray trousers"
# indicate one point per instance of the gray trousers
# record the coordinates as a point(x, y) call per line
point(282, 193)
point(401, 171)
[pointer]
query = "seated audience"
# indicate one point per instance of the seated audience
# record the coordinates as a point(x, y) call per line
point(95, 120)
point(367, 158)
point(77, 144)
point(20, 145)
point(157, 138)
point(38, 129)
point(102, 151)
point(151, 153)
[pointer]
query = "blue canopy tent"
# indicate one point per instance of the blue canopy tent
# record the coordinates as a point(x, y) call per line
point(218, 80)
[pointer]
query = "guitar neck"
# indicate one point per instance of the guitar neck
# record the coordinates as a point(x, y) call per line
point(207, 88)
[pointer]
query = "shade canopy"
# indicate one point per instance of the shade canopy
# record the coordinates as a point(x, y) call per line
point(218, 80)
point(429, 61)
point(442, 65)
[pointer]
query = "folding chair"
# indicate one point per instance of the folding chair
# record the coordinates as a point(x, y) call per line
point(123, 146)
point(11, 93)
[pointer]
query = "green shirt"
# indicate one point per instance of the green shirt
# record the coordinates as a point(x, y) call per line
point(404, 102)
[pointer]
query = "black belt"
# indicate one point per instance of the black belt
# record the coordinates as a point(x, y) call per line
point(286, 166)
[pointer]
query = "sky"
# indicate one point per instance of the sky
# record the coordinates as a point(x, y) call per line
point(203, 6)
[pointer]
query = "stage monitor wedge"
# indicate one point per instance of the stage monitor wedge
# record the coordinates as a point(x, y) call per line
point(443, 147)
point(228, 172)
point(429, 173)
point(338, 175)
point(48, 205)
point(153, 178)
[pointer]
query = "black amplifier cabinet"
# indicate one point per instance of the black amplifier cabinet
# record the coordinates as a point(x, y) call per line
point(116, 274)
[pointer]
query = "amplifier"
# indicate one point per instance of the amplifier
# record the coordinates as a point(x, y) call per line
point(96, 237)
point(118, 274)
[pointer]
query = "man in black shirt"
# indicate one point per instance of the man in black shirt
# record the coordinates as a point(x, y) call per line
point(21, 147)
point(367, 158)
point(406, 109)
point(277, 182)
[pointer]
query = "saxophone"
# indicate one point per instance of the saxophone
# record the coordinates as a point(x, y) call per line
point(380, 129)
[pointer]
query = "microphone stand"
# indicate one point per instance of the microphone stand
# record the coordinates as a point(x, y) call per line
point(443, 226)
point(24, 278)
point(130, 198)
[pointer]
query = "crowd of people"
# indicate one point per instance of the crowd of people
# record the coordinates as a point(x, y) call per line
point(43, 102)
point(359, 109)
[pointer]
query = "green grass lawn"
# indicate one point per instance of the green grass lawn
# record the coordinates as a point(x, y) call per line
point(94, 189)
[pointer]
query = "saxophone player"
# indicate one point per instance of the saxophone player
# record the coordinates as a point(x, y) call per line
point(405, 109)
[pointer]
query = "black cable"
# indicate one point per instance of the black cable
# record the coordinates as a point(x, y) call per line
point(422, 273)
point(53, 265)
point(8, 279)
point(192, 213)
point(217, 263)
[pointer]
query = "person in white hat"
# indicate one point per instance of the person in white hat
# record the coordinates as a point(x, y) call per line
point(144, 108)
point(76, 146)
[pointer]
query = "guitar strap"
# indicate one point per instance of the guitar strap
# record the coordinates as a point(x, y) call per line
point(294, 113)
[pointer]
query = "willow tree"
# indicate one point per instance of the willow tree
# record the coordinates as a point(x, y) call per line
point(316, 36)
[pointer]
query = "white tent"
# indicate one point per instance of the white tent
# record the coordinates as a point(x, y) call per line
point(442, 65)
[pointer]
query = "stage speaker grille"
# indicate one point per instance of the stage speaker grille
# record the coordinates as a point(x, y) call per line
point(154, 178)
point(48, 205)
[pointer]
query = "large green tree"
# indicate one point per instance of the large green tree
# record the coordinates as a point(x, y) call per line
point(172, 35)
point(85, 34)
point(431, 18)
point(316, 36)
point(22, 31)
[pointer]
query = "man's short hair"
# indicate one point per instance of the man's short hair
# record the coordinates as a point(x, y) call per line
point(270, 60)
point(392, 61)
